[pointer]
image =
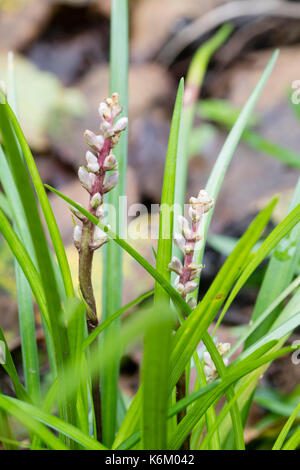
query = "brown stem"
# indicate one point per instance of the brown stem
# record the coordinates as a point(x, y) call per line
point(85, 271)
point(85, 283)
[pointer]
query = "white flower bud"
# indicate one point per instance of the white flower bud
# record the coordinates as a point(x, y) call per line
point(93, 140)
point(179, 241)
point(100, 212)
point(110, 163)
point(86, 179)
point(208, 360)
point(193, 202)
point(99, 234)
point(189, 248)
point(205, 200)
point(77, 235)
point(195, 270)
point(94, 167)
point(116, 108)
point(175, 265)
point(179, 286)
point(184, 227)
point(194, 214)
point(106, 128)
point(209, 373)
point(111, 182)
point(90, 157)
point(104, 111)
point(96, 200)
point(99, 238)
point(77, 213)
point(115, 98)
point(92, 162)
point(115, 140)
point(120, 125)
point(190, 287)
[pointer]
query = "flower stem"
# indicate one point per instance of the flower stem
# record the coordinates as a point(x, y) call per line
point(86, 287)
point(85, 274)
point(87, 237)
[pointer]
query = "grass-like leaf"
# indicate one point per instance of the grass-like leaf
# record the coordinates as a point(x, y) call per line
point(10, 405)
point(269, 243)
point(43, 199)
point(155, 387)
point(279, 274)
point(25, 302)
point(211, 393)
point(165, 241)
point(234, 373)
point(112, 258)
point(268, 311)
point(36, 419)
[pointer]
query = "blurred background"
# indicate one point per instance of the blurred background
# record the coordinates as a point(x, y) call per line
point(62, 73)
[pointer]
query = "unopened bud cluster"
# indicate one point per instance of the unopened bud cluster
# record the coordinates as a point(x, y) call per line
point(186, 240)
point(99, 161)
point(209, 366)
